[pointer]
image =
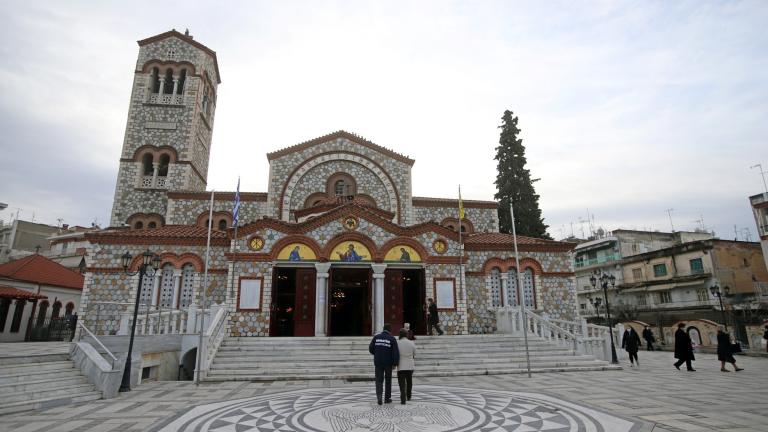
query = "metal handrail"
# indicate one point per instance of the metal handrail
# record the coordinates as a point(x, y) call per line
point(114, 359)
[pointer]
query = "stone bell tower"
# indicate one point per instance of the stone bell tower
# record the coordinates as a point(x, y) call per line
point(167, 140)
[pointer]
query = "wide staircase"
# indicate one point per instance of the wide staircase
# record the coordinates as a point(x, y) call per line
point(279, 358)
point(29, 382)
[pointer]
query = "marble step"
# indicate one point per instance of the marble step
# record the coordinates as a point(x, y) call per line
point(235, 361)
point(51, 392)
point(42, 358)
point(18, 369)
point(31, 375)
point(42, 384)
point(214, 376)
point(48, 402)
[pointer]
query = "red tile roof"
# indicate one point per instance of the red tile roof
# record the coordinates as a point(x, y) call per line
point(480, 240)
point(340, 134)
point(168, 234)
point(39, 269)
point(15, 293)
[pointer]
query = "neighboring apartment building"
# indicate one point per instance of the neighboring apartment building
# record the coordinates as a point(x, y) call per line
point(68, 247)
point(606, 255)
point(760, 209)
point(673, 284)
point(22, 238)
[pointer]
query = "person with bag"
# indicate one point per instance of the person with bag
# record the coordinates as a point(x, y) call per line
point(405, 365)
point(631, 343)
point(725, 350)
point(433, 320)
point(683, 349)
point(765, 339)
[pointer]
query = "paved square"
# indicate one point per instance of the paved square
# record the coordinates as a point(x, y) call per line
point(653, 397)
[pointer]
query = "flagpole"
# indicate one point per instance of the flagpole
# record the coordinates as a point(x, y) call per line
point(521, 290)
point(236, 222)
point(461, 248)
point(203, 297)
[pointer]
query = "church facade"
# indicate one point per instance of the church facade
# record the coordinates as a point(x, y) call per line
point(337, 245)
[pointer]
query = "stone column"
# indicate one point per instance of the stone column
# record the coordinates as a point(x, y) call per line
point(176, 288)
point(156, 287)
point(161, 88)
point(175, 84)
point(155, 171)
point(504, 289)
point(378, 297)
point(321, 298)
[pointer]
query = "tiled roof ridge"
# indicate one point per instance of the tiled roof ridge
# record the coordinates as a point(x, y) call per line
point(39, 269)
point(339, 134)
point(17, 265)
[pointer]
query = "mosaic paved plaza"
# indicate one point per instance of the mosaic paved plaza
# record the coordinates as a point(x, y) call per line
point(655, 397)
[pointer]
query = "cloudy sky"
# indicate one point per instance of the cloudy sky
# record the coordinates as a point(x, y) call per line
point(627, 109)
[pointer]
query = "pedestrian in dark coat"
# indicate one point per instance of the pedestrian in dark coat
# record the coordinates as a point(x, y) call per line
point(649, 338)
point(765, 337)
point(433, 320)
point(725, 350)
point(631, 343)
point(383, 346)
point(683, 348)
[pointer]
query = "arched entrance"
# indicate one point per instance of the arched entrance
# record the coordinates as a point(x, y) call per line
point(350, 301)
point(293, 302)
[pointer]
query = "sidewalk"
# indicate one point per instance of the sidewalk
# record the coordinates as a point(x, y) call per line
point(656, 394)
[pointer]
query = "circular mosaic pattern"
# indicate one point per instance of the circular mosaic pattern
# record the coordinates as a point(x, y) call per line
point(433, 408)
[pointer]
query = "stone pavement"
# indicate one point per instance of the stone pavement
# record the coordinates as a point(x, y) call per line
point(656, 397)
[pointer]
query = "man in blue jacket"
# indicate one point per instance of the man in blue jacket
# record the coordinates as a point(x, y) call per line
point(383, 346)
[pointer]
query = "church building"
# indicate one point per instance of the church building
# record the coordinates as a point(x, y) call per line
point(336, 245)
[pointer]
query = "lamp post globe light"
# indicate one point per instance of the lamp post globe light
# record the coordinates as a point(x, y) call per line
point(717, 292)
point(605, 279)
point(149, 265)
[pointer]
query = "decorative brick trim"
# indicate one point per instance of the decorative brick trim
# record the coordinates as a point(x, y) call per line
point(179, 261)
point(505, 264)
point(285, 241)
point(177, 66)
point(455, 221)
point(217, 215)
point(522, 247)
point(156, 151)
point(221, 271)
point(558, 274)
point(146, 218)
point(218, 196)
point(474, 274)
point(248, 257)
point(454, 203)
point(335, 135)
point(312, 160)
point(446, 260)
point(189, 40)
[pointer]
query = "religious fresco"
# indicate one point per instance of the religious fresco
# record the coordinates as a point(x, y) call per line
point(402, 254)
point(350, 251)
point(296, 252)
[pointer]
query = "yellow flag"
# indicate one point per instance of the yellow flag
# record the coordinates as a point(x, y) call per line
point(461, 205)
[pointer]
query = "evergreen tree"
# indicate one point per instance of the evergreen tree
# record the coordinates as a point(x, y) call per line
point(513, 182)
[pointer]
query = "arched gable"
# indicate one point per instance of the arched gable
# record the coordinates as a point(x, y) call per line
point(418, 247)
point(306, 241)
point(350, 236)
point(505, 264)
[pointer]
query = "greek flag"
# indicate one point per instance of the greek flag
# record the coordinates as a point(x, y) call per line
point(236, 209)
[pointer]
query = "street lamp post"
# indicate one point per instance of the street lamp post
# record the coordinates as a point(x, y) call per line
point(605, 279)
point(715, 290)
point(150, 264)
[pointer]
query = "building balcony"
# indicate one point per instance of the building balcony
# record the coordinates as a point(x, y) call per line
point(596, 261)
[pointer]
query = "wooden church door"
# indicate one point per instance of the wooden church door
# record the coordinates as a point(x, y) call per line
point(304, 316)
point(393, 298)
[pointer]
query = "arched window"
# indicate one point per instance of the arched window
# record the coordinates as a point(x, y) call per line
point(341, 184)
point(222, 224)
point(341, 188)
point(56, 309)
point(146, 290)
point(162, 169)
point(494, 287)
point(41, 312)
point(187, 286)
point(139, 225)
point(152, 225)
point(166, 287)
point(69, 309)
point(529, 290)
point(155, 77)
point(182, 79)
point(512, 297)
point(147, 164)
point(168, 87)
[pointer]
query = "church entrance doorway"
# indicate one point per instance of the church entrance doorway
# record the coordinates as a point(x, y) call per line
point(349, 302)
point(293, 302)
point(404, 299)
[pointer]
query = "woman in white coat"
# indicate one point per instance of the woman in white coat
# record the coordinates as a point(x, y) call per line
point(406, 365)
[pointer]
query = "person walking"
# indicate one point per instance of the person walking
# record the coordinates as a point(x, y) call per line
point(649, 339)
point(409, 331)
point(683, 349)
point(383, 346)
point(631, 343)
point(405, 365)
point(433, 320)
point(725, 350)
point(765, 338)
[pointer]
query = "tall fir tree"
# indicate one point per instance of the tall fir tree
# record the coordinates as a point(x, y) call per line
point(513, 182)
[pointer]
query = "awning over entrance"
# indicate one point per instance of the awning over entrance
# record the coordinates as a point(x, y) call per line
point(15, 293)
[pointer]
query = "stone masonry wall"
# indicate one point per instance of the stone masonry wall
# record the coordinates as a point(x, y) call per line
point(484, 220)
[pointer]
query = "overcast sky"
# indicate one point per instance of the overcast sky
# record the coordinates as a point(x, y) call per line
point(627, 109)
